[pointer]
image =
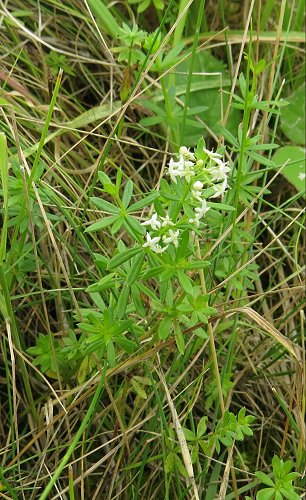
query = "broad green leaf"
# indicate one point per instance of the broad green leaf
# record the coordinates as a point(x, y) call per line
point(295, 170)
point(293, 117)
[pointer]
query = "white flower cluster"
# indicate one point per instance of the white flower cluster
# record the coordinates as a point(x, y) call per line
point(170, 236)
point(210, 172)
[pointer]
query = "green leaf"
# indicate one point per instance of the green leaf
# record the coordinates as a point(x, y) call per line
point(101, 224)
point(165, 328)
point(295, 170)
point(122, 257)
point(293, 117)
point(183, 245)
point(180, 466)
point(110, 353)
point(202, 426)
point(265, 494)
point(103, 178)
point(189, 435)
point(261, 159)
point(195, 453)
point(196, 264)
point(117, 224)
point(135, 270)
point(185, 282)
point(104, 283)
point(290, 494)
point(180, 342)
point(134, 224)
point(101, 261)
point(264, 478)
point(127, 193)
point(146, 201)
point(122, 301)
point(104, 205)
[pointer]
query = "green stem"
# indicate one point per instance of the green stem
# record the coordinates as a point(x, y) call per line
point(211, 338)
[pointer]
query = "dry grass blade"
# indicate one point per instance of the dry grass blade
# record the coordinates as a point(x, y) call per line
point(181, 438)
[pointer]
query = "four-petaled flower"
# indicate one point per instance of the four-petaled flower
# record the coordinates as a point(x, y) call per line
point(151, 242)
point(172, 237)
point(220, 189)
point(167, 221)
point(219, 171)
point(153, 222)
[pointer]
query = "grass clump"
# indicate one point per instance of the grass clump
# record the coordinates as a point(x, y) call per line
point(152, 250)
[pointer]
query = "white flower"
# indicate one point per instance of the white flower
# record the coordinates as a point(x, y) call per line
point(301, 176)
point(220, 189)
point(153, 222)
point(159, 249)
point(185, 152)
point(211, 154)
point(198, 185)
point(219, 171)
point(172, 237)
point(181, 168)
point(200, 211)
point(151, 242)
point(167, 221)
point(175, 168)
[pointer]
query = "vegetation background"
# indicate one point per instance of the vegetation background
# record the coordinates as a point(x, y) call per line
point(116, 87)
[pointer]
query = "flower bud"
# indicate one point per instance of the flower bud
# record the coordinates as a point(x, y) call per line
point(200, 163)
point(198, 185)
point(183, 150)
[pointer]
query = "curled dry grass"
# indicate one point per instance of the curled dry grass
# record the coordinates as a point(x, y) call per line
point(120, 455)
